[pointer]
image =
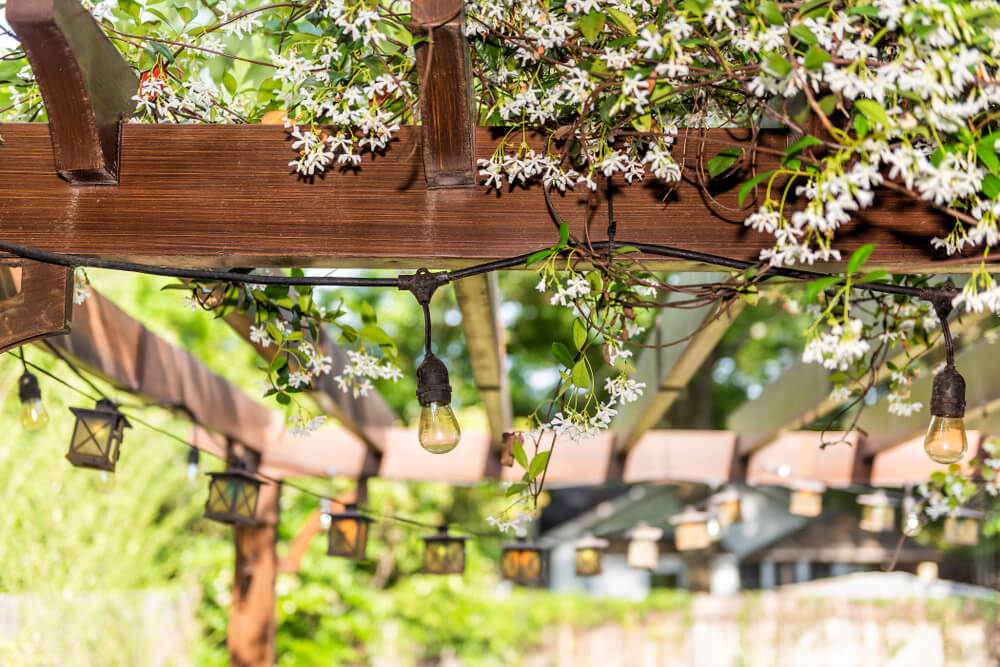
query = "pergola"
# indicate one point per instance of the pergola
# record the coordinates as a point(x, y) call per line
point(89, 183)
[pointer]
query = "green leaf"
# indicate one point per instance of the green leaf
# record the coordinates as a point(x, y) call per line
point(776, 65)
point(859, 257)
point(991, 186)
point(538, 464)
point(563, 234)
point(873, 111)
point(877, 274)
point(579, 333)
point(282, 398)
point(867, 10)
point(519, 455)
point(162, 50)
point(828, 104)
point(815, 59)
point(751, 184)
point(368, 315)
point(722, 161)
point(539, 256)
point(820, 285)
point(515, 489)
point(562, 354)
point(622, 19)
point(581, 376)
point(591, 24)
point(988, 156)
point(802, 144)
point(861, 126)
point(812, 6)
point(229, 81)
point(770, 11)
point(186, 13)
point(803, 34)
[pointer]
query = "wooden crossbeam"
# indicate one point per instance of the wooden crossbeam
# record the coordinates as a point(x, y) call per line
point(666, 371)
point(35, 301)
point(86, 84)
point(802, 394)
point(479, 300)
point(250, 211)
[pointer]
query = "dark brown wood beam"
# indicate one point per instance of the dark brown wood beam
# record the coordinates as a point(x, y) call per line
point(223, 196)
point(36, 301)
point(86, 84)
point(447, 107)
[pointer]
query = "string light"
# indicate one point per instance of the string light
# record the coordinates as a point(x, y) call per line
point(946, 441)
point(691, 530)
point(232, 497)
point(806, 498)
point(912, 523)
point(589, 554)
point(348, 535)
point(97, 436)
point(324, 513)
point(33, 414)
point(444, 553)
point(643, 548)
point(521, 562)
point(193, 457)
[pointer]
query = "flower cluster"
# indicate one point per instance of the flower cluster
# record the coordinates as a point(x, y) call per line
point(361, 369)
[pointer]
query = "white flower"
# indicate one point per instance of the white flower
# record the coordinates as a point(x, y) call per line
point(259, 335)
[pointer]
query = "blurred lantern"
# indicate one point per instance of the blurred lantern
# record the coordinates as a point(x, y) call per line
point(521, 562)
point(806, 498)
point(444, 553)
point(691, 530)
point(878, 514)
point(725, 507)
point(97, 436)
point(643, 550)
point(589, 551)
point(232, 497)
point(963, 529)
point(348, 533)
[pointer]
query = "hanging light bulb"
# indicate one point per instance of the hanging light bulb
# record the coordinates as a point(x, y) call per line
point(912, 524)
point(192, 463)
point(33, 414)
point(945, 441)
point(324, 513)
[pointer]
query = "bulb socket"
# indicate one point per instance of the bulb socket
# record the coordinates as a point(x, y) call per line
point(432, 382)
point(948, 393)
point(27, 388)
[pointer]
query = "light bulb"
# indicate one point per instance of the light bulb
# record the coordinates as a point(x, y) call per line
point(194, 456)
point(945, 441)
point(911, 524)
point(438, 430)
point(33, 415)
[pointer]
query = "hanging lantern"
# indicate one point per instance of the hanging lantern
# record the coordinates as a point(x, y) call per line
point(348, 533)
point(691, 530)
point(589, 551)
point(521, 562)
point(878, 514)
point(725, 507)
point(643, 550)
point(806, 498)
point(444, 553)
point(232, 497)
point(963, 530)
point(97, 436)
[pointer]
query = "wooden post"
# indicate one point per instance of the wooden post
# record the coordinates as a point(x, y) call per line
point(252, 624)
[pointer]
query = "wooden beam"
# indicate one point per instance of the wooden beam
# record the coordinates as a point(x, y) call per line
point(36, 301)
point(251, 212)
point(797, 456)
point(802, 394)
point(86, 84)
point(666, 371)
point(479, 300)
point(252, 624)
point(908, 463)
point(447, 104)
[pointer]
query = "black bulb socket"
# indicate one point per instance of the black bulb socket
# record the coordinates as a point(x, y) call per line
point(432, 382)
point(27, 388)
point(948, 394)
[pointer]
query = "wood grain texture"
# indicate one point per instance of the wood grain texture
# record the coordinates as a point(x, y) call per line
point(225, 196)
point(86, 85)
point(41, 309)
point(447, 108)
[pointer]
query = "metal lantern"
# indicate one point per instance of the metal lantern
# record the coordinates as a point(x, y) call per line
point(521, 562)
point(691, 530)
point(444, 553)
point(589, 552)
point(232, 497)
point(97, 436)
point(963, 530)
point(806, 498)
point(643, 550)
point(348, 533)
point(725, 506)
point(878, 514)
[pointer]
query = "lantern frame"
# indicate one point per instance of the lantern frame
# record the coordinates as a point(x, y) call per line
point(355, 549)
point(231, 489)
point(726, 507)
point(589, 544)
point(108, 446)
point(523, 562)
point(691, 530)
point(643, 548)
point(800, 502)
point(452, 561)
point(878, 513)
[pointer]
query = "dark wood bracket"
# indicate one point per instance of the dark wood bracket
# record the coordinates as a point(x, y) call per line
point(86, 84)
point(36, 301)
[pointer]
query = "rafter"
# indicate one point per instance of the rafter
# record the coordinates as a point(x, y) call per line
point(35, 303)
